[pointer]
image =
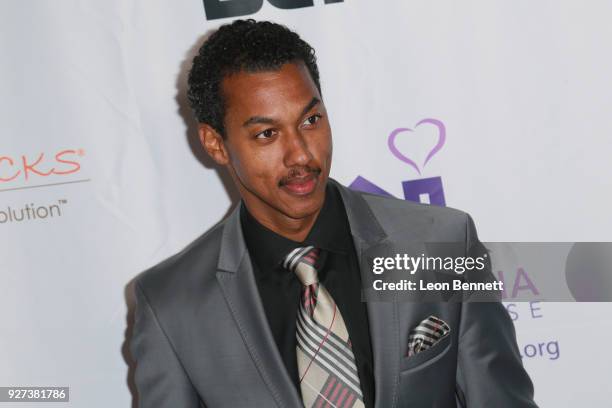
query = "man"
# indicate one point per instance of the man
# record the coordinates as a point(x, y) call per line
point(265, 309)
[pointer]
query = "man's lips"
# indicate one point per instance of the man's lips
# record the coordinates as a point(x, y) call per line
point(301, 185)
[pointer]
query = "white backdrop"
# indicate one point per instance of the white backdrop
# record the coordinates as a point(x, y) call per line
point(98, 158)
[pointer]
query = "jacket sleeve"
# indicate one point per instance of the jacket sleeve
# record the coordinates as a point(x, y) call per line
point(160, 378)
point(490, 372)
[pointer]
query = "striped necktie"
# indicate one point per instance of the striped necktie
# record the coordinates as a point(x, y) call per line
point(326, 364)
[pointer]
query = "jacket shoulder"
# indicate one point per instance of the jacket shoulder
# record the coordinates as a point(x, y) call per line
point(396, 214)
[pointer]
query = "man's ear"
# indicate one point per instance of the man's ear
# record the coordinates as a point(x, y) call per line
point(213, 143)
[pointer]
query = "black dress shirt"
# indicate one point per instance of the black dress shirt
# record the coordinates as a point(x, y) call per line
point(338, 271)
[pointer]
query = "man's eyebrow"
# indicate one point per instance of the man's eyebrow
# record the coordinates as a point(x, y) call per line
point(253, 120)
point(258, 119)
point(314, 102)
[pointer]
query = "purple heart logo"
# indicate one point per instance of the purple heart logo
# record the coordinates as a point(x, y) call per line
point(436, 148)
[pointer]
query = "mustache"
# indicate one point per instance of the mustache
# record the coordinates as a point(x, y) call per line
point(299, 173)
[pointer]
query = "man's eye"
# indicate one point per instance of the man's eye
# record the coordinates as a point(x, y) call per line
point(266, 134)
point(311, 120)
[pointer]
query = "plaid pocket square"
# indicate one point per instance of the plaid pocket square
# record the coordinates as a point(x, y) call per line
point(426, 334)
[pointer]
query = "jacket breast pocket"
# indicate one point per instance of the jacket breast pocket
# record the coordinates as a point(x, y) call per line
point(426, 357)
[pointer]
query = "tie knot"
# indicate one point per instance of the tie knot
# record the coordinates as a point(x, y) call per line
point(301, 261)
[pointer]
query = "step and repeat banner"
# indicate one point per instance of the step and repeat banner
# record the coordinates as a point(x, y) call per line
point(498, 108)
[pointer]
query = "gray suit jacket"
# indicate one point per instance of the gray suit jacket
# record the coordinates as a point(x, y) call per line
point(201, 337)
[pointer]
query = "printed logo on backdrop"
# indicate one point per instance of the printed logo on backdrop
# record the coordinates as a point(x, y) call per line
point(430, 190)
point(35, 171)
point(216, 9)
point(421, 190)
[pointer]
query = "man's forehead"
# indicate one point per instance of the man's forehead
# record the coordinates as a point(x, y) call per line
point(290, 85)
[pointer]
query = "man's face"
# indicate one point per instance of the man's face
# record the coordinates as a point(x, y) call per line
point(278, 143)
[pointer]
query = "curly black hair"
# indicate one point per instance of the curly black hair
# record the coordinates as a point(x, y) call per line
point(243, 45)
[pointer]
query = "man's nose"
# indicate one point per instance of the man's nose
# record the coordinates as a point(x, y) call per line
point(297, 150)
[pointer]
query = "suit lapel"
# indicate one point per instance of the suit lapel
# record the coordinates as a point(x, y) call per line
point(237, 281)
point(370, 241)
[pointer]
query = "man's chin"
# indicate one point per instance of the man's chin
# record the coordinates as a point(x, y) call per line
point(303, 206)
